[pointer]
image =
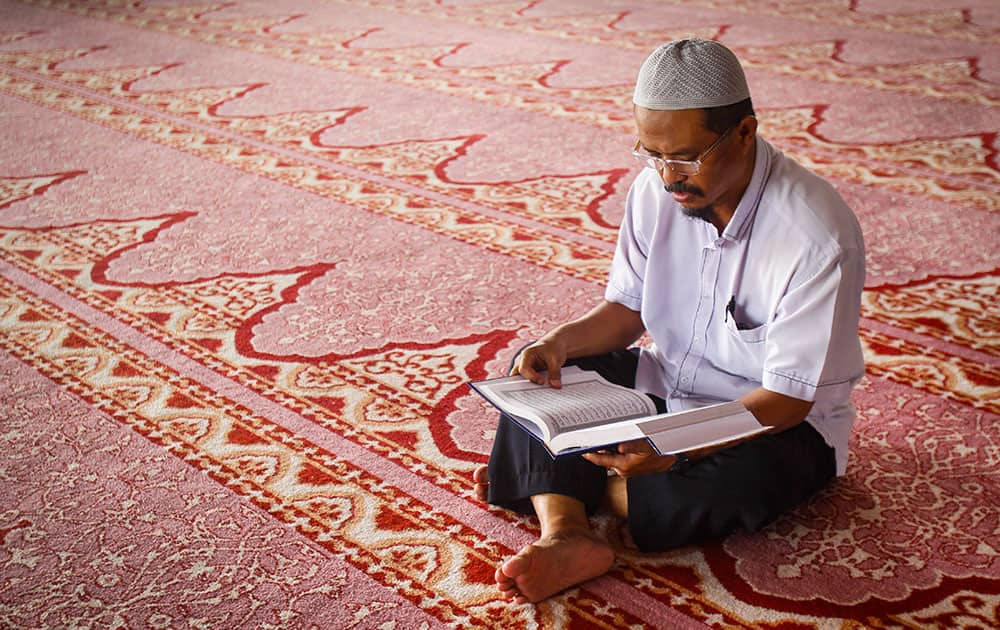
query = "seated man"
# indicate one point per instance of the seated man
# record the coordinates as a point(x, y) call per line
point(746, 272)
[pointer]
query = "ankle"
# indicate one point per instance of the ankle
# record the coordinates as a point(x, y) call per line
point(560, 515)
point(565, 526)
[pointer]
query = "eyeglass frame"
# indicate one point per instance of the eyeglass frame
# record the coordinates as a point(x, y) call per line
point(680, 167)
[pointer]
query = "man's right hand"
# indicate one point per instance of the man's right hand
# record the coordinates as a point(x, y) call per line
point(541, 361)
point(608, 326)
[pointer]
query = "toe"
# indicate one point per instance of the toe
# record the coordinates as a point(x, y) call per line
point(481, 475)
point(504, 582)
point(516, 566)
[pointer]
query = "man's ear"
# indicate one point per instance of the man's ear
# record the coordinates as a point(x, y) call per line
point(747, 128)
point(746, 131)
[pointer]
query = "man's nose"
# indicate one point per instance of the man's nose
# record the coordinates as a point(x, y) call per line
point(669, 177)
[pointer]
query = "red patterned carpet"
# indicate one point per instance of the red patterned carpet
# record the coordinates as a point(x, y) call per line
point(250, 253)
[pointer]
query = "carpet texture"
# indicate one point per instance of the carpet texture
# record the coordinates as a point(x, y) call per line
point(251, 251)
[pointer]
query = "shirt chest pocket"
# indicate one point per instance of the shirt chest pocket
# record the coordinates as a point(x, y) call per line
point(741, 352)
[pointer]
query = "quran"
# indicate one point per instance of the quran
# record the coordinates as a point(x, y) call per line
point(590, 413)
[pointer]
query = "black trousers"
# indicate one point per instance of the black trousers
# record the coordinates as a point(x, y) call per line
point(742, 487)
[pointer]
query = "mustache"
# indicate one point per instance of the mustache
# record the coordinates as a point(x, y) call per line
point(683, 188)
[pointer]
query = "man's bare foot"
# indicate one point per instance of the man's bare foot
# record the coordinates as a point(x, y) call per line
point(552, 564)
point(482, 478)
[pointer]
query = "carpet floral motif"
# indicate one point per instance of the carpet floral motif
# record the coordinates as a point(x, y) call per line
point(250, 254)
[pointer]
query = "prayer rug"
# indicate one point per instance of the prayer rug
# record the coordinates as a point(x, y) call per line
point(251, 252)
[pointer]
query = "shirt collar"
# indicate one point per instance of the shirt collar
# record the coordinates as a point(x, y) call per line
point(739, 226)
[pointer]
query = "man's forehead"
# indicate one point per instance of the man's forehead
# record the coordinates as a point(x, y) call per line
point(681, 124)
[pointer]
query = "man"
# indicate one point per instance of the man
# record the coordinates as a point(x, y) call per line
point(746, 272)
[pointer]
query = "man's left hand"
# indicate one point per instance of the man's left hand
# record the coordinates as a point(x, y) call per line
point(633, 458)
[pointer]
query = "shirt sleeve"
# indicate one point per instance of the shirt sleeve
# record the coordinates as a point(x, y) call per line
point(628, 267)
point(813, 351)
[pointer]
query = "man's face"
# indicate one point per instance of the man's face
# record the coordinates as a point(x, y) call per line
point(681, 135)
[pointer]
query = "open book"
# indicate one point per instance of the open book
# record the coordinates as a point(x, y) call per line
point(589, 413)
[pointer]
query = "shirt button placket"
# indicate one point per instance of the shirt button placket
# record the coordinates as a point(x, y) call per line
point(709, 276)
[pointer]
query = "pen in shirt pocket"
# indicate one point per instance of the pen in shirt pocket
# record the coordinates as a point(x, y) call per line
point(730, 310)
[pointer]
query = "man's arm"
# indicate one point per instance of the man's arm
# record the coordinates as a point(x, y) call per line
point(776, 410)
point(607, 327)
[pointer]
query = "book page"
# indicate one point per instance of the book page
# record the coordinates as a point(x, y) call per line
point(580, 405)
point(585, 400)
point(698, 428)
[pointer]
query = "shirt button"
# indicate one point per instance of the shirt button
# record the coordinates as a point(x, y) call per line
point(684, 380)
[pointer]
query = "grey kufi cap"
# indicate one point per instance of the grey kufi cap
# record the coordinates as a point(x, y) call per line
point(690, 74)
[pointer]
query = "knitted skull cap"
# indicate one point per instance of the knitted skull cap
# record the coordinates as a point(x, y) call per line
point(690, 74)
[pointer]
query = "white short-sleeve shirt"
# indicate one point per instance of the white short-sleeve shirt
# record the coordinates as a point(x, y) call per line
point(774, 301)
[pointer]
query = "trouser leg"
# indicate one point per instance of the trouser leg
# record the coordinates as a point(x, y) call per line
point(520, 467)
point(744, 487)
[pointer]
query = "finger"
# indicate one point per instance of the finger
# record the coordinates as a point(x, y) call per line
point(532, 375)
point(555, 377)
point(605, 460)
point(525, 366)
point(635, 447)
point(515, 369)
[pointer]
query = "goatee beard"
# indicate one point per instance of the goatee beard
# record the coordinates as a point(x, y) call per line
point(705, 213)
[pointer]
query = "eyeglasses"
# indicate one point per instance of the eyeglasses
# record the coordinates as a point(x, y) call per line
point(681, 167)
